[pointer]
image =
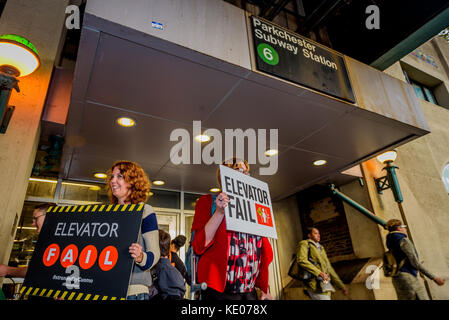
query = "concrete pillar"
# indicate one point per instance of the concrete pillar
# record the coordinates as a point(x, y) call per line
point(42, 22)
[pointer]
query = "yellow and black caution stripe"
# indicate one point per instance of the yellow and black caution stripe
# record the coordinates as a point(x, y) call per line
point(97, 208)
point(62, 294)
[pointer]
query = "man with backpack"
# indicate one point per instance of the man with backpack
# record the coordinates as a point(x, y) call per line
point(405, 280)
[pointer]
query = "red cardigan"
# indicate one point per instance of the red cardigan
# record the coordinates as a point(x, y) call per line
point(214, 258)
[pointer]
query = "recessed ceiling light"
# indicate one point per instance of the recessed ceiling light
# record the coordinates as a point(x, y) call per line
point(159, 182)
point(319, 162)
point(100, 175)
point(271, 152)
point(214, 190)
point(126, 122)
point(202, 138)
point(150, 194)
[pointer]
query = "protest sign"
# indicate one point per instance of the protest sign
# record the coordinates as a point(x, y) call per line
point(82, 253)
point(249, 209)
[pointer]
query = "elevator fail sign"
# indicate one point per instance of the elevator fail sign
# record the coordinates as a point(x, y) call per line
point(297, 59)
point(82, 253)
point(249, 209)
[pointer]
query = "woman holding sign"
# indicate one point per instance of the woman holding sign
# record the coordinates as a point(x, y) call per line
point(128, 184)
point(232, 263)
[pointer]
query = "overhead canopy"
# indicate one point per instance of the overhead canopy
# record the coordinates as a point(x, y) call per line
point(121, 72)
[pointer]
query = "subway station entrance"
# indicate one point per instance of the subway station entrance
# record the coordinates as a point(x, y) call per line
point(167, 80)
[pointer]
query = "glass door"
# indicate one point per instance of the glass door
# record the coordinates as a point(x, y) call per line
point(168, 221)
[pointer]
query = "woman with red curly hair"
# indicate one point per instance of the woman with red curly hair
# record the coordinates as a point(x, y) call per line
point(128, 184)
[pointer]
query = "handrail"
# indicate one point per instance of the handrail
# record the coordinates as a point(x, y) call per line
point(358, 207)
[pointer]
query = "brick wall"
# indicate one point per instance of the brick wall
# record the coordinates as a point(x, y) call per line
point(318, 209)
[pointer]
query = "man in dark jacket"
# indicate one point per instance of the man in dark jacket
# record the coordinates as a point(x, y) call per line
point(169, 281)
point(406, 281)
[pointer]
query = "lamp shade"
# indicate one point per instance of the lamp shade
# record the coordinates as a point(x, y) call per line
point(18, 56)
point(387, 156)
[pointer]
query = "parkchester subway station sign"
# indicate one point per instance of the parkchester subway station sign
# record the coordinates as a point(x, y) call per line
point(297, 59)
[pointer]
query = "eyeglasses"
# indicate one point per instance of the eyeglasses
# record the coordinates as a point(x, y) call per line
point(242, 171)
point(35, 218)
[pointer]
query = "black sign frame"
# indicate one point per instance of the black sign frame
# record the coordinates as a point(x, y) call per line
point(292, 57)
point(63, 226)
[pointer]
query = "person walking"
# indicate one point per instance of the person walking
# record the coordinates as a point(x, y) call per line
point(406, 282)
point(312, 257)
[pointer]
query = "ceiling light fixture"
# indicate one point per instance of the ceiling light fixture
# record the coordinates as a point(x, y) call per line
point(271, 152)
point(43, 180)
point(319, 162)
point(126, 122)
point(202, 138)
point(158, 182)
point(100, 175)
point(91, 186)
point(214, 189)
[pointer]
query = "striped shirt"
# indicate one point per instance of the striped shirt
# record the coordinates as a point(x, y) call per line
point(149, 240)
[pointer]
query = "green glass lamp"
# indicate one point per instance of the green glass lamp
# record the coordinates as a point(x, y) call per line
point(18, 58)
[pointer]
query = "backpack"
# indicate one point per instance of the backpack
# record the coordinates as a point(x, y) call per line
point(191, 258)
point(297, 272)
point(390, 266)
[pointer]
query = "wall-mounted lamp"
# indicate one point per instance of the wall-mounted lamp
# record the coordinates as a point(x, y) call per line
point(18, 58)
point(390, 181)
